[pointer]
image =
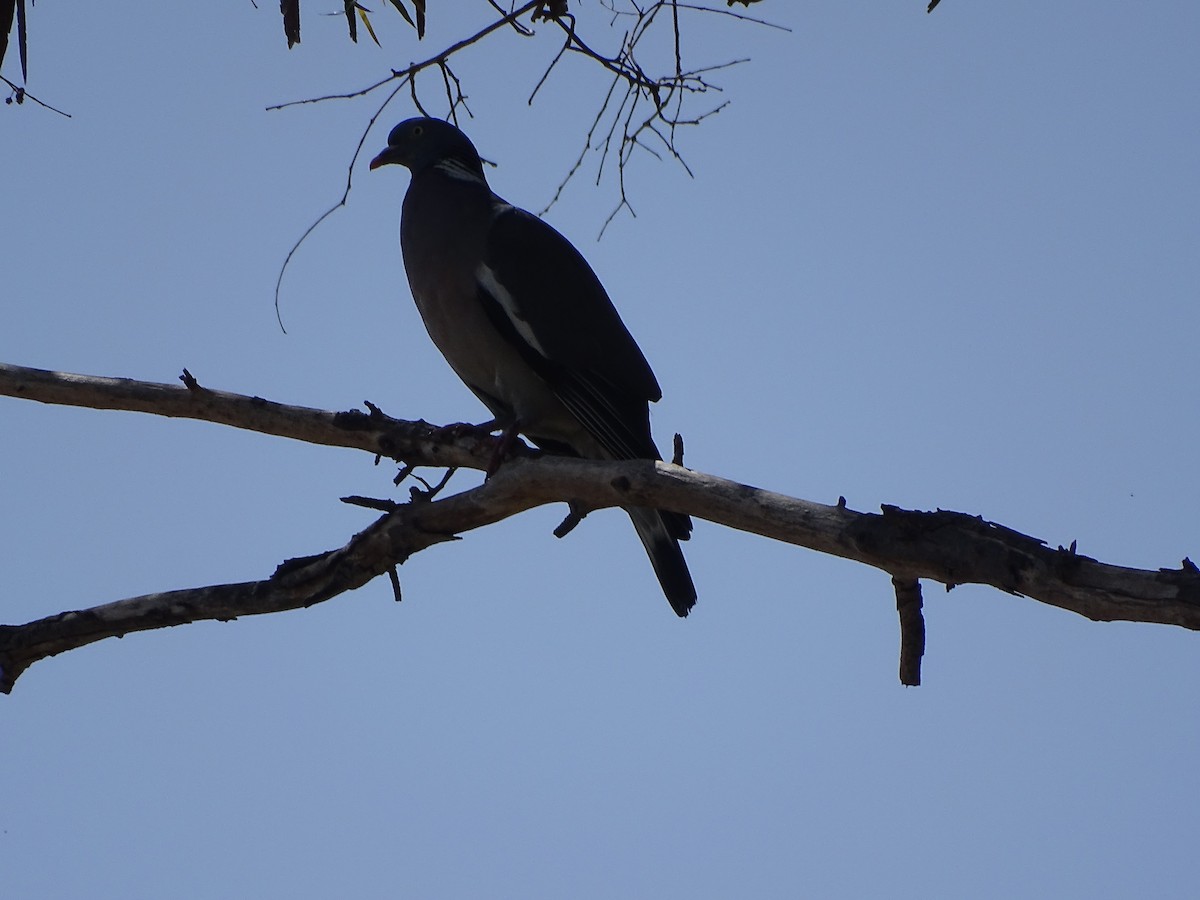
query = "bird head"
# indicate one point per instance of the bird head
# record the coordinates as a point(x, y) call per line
point(422, 143)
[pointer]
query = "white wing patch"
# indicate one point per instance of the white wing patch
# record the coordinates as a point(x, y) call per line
point(489, 282)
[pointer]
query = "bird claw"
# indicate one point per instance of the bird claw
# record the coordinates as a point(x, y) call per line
point(502, 449)
point(502, 445)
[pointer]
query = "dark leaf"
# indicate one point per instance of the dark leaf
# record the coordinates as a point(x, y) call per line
point(362, 14)
point(419, 6)
point(7, 9)
point(291, 20)
point(404, 12)
point(556, 9)
point(932, 4)
point(21, 39)
point(351, 20)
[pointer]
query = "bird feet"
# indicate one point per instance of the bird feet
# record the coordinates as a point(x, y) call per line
point(503, 447)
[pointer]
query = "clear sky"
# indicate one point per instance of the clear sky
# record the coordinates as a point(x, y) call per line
point(941, 260)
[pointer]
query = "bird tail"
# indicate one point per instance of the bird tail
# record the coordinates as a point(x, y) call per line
point(661, 531)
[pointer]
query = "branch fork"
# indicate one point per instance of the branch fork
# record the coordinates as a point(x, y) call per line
point(909, 545)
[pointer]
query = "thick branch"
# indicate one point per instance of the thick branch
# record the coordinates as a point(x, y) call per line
point(415, 442)
point(950, 547)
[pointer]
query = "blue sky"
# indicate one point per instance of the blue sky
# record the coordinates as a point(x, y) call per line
point(935, 261)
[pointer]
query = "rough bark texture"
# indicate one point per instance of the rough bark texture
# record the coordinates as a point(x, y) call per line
point(949, 547)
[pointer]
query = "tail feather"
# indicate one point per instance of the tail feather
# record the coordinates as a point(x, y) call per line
point(661, 532)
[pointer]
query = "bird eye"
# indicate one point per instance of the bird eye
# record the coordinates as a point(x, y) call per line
point(418, 130)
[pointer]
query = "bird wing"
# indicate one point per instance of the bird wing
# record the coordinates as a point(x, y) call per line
point(543, 296)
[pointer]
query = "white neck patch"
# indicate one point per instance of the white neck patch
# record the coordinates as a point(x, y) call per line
point(459, 171)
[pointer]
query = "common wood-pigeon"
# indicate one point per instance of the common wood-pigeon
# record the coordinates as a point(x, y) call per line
point(525, 323)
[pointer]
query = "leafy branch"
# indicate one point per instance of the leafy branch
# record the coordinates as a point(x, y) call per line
point(642, 108)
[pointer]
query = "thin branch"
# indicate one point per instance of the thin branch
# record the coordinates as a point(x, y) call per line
point(587, 145)
point(412, 92)
point(550, 68)
point(675, 27)
point(516, 26)
point(735, 15)
point(415, 68)
point(362, 138)
point(665, 92)
point(20, 95)
point(349, 95)
point(455, 99)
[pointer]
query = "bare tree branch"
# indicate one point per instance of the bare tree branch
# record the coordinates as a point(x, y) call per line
point(437, 60)
point(416, 442)
point(664, 93)
point(912, 629)
point(950, 547)
point(19, 95)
